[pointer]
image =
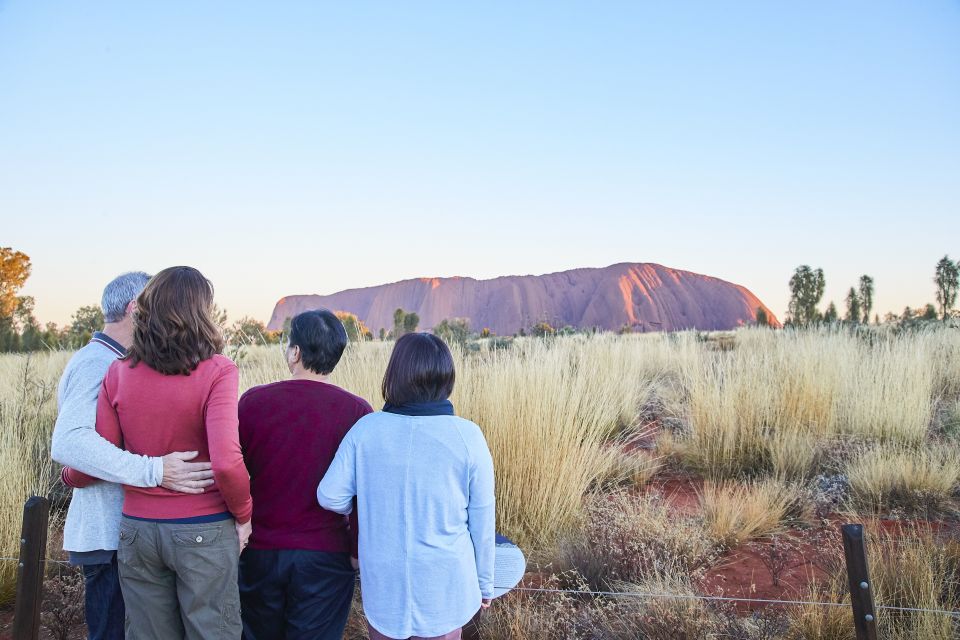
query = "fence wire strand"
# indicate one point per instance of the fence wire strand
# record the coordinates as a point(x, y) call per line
point(667, 596)
point(680, 596)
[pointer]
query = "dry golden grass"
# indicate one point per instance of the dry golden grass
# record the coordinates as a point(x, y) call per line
point(816, 622)
point(917, 480)
point(760, 404)
point(914, 568)
point(764, 406)
point(547, 408)
point(735, 513)
point(27, 413)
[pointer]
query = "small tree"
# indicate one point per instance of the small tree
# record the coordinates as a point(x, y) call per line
point(356, 330)
point(404, 322)
point(410, 322)
point(929, 312)
point(854, 314)
point(453, 331)
point(947, 279)
point(830, 315)
point(14, 271)
point(866, 297)
point(249, 330)
point(85, 321)
point(542, 330)
point(806, 291)
point(762, 319)
point(398, 317)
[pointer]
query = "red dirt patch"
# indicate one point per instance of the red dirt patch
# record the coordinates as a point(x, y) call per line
point(742, 572)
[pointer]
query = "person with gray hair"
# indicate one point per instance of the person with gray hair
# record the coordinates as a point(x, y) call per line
point(92, 530)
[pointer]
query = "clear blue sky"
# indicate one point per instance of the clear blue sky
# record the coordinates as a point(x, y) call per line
point(308, 147)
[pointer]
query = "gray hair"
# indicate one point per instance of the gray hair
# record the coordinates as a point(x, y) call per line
point(120, 292)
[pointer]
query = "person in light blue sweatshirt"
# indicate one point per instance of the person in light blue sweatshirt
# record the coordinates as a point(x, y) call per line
point(423, 482)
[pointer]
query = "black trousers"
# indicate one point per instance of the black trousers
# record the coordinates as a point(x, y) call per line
point(288, 594)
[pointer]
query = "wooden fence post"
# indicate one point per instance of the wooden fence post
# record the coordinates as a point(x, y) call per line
point(861, 589)
point(30, 571)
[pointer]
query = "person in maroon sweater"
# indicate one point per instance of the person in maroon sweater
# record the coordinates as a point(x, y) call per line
point(296, 577)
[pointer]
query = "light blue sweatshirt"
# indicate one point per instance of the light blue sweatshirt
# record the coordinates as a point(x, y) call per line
point(425, 502)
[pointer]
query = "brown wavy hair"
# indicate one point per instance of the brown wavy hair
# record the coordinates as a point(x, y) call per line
point(173, 326)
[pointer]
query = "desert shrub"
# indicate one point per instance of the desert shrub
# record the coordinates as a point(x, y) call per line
point(524, 615)
point(62, 611)
point(735, 513)
point(915, 480)
point(673, 611)
point(655, 618)
point(634, 540)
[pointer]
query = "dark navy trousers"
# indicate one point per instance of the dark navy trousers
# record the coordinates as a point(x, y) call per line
point(103, 602)
point(288, 594)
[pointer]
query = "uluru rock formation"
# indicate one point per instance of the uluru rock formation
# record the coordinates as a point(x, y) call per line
point(643, 296)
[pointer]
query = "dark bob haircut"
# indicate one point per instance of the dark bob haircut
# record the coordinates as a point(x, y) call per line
point(321, 338)
point(420, 370)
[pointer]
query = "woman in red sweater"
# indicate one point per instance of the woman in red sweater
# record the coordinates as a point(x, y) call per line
point(178, 553)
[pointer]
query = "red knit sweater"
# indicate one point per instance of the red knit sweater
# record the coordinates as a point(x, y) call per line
point(152, 414)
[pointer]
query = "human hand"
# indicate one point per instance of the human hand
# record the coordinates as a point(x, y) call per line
point(185, 477)
point(355, 563)
point(243, 533)
point(485, 603)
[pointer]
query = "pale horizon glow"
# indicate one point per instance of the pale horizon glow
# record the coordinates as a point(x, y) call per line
point(311, 147)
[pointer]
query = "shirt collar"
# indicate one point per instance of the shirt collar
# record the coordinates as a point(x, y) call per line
point(109, 343)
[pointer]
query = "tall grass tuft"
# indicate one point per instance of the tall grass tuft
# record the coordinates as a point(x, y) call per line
point(915, 480)
point(27, 414)
point(735, 513)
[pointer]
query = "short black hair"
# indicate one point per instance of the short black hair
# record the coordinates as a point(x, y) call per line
point(321, 338)
point(420, 370)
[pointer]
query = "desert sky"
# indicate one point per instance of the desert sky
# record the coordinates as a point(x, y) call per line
point(308, 147)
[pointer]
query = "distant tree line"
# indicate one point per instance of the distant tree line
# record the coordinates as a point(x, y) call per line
point(807, 287)
point(20, 331)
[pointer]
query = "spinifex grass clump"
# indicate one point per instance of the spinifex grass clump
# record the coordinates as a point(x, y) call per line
point(735, 513)
point(918, 481)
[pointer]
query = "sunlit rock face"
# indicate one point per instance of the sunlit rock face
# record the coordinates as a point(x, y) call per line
point(642, 296)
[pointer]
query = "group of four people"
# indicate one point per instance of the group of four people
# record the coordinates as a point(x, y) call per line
point(249, 518)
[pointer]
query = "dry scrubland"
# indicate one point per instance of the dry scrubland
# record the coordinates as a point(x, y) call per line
point(783, 434)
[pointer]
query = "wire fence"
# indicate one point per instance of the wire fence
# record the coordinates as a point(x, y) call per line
point(665, 596)
point(685, 596)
